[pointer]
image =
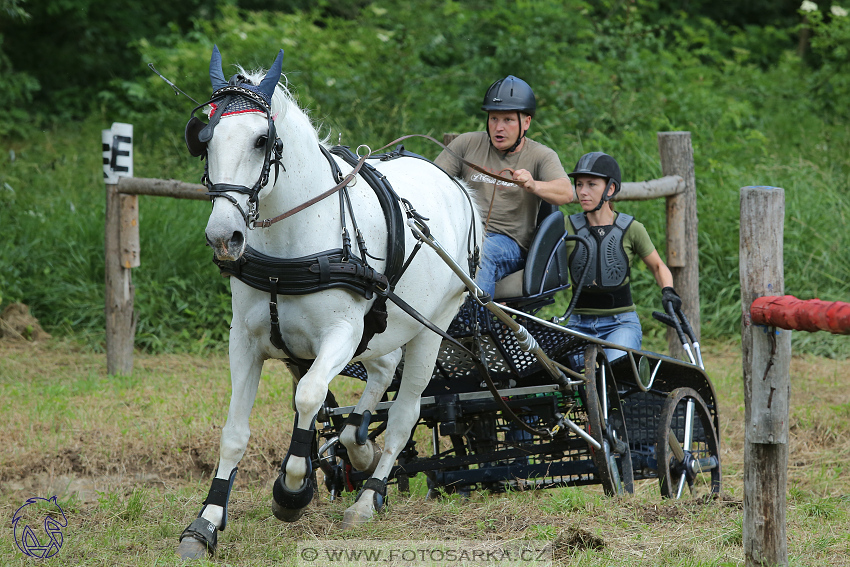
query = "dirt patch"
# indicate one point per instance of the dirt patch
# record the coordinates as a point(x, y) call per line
point(16, 323)
point(659, 513)
point(574, 540)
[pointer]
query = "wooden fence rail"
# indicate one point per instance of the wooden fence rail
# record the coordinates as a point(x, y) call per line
point(123, 249)
point(162, 188)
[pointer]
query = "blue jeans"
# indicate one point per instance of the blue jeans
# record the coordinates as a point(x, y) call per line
point(623, 329)
point(500, 256)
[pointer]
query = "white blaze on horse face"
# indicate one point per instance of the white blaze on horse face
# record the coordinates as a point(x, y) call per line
point(234, 159)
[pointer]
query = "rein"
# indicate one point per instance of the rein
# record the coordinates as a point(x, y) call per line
point(345, 181)
point(268, 222)
point(469, 164)
point(477, 168)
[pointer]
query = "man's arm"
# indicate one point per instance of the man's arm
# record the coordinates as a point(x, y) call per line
point(556, 192)
point(448, 162)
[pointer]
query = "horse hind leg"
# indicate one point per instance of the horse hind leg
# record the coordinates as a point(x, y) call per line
point(365, 454)
point(419, 358)
point(201, 537)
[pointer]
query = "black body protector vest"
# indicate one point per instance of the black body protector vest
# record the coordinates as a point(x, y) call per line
point(609, 265)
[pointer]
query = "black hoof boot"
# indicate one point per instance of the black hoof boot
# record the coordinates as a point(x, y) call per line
point(289, 506)
point(198, 540)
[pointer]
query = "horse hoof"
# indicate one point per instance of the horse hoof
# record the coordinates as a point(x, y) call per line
point(376, 457)
point(198, 540)
point(191, 548)
point(358, 513)
point(353, 518)
point(285, 514)
point(364, 458)
point(288, 506)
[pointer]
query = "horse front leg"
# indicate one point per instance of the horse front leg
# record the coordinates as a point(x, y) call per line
point(364, 453)
point(293, 490)
point(201, 537)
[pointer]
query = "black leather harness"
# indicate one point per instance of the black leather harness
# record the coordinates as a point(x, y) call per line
point(336, 268)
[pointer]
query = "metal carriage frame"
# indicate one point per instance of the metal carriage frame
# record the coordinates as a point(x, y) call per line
point(644, 416)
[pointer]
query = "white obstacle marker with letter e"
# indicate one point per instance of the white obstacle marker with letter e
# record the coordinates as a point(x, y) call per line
point(117, 163)
point(117, 152)
point(122, 248)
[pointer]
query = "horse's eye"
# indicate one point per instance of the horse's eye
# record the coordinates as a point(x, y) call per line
point(261, 142)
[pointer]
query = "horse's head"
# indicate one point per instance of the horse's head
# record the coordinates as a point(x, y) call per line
point(240, 145)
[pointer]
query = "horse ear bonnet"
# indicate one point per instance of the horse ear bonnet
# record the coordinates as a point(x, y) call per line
point(266, 87)
point(197, 133)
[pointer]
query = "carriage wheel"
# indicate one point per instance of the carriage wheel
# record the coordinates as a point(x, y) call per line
point(687, 448)
point(605, 423)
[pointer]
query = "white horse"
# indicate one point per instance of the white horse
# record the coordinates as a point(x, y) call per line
point(324, 327)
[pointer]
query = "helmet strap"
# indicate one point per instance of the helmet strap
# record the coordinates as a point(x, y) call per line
point(605, 197)
point(521, 134)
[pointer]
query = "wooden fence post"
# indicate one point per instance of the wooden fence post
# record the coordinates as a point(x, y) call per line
point(121, 254)
point(677, 158)
point(767, 384)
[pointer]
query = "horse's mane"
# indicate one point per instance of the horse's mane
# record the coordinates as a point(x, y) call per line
point(283, 103)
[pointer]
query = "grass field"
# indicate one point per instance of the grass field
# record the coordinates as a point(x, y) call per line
point(130, 460)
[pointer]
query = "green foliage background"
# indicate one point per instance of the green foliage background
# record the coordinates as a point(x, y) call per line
point(764, 107)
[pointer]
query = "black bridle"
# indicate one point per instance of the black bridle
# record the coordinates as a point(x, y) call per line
point(198, 134)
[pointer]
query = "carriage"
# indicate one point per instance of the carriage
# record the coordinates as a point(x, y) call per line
point(511, 400)
point(643, 416)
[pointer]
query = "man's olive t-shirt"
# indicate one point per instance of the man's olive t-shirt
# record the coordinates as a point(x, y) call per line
point(636, 243)
point(514, 211)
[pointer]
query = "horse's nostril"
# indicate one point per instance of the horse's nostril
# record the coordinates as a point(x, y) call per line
point(237, 240)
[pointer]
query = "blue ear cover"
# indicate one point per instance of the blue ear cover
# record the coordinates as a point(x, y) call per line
point(268, 84)
point(216, 72)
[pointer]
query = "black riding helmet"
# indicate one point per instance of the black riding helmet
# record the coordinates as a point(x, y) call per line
point(599, 164)
point(510, 93)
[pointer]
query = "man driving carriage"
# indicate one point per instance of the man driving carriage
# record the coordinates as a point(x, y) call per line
point(605, 308)
point(505, 150)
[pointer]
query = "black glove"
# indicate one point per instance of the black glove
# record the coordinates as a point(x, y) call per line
point(669, 295)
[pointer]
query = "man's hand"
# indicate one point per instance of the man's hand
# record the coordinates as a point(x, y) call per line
point(523, 178)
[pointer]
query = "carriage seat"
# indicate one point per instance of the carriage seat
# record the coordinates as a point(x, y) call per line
point(546, 269)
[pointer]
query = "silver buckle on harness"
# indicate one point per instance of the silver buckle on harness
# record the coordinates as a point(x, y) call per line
point(253, 214)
